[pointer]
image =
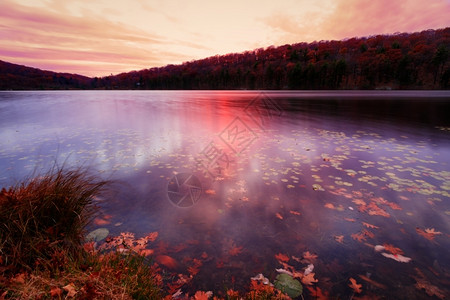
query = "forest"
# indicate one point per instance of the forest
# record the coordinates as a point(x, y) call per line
point(399, 61)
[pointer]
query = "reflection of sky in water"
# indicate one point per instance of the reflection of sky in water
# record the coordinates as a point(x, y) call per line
point(312, 175)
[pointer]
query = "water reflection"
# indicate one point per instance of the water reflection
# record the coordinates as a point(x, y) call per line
point(329, 174)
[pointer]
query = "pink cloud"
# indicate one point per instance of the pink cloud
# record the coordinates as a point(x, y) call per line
point(368, 17)
point(47, 39)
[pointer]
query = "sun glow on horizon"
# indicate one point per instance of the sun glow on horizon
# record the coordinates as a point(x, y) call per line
point(103, 37)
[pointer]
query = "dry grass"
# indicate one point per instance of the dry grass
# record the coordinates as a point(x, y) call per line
point(42, 256)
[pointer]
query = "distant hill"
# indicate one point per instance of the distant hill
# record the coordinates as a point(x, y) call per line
point(18, 77)
point(400, 61)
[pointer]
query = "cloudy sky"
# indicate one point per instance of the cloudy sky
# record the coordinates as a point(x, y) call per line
point(100, 37)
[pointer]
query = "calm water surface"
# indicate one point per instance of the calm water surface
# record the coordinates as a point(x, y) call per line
point(242, 183)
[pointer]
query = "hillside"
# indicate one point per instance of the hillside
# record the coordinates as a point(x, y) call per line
point(18, 77)
point(400, 61)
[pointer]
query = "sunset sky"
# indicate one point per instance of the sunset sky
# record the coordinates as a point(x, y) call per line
point(97, 38)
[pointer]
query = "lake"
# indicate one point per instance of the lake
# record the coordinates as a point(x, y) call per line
point(341, 184)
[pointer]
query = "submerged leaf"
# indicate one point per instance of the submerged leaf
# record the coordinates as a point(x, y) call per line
point(288, 285)
point(97, 235)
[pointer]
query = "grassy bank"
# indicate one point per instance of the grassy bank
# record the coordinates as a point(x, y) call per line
point(42, 250)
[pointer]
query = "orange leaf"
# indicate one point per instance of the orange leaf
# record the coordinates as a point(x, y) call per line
point(152, 236)
point(309, 256)
point(339, 238)
point(358, 237)
point(392, 249)
point(356, 287)
point(318, 294)
point(370, 225)
point(235, 250)
point(309, 279)
point(294, 212)
point(329, 205)
point(167, 261)
point(200, 295)
point(374, 283)
point(428, 233)
point(282, 257)
point(210, 192)
point(101, 222)
point(19, 278)
point(146, 252)
point(350, 219)
point(279, 216)
point(70, 289)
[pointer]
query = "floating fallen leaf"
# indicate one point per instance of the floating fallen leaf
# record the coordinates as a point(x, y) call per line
point(355, 286)
point(279, 216)
point(339, 238)
point(210, 192)
point(234, 250)
point(428, 233)
point(282, 257)
point(260, 277)
point(370, 225)
point(392, 249)
point(309, 256)
point(399, 257)
point(146, 252)
point(318, 294)
point(329, 205)
point(295, 212)
point(200, 295)
point(430, 289)
point(309, 269)
point(288, 285)
point(167, 261)
point(284, 271)
point(309, 279)
point(374, 283)
point(152, 236)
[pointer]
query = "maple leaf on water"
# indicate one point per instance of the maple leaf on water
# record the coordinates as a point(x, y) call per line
point(152, 236)
point(428, 233)
point(355, 286)
point(318, 294)
point(430, 289)
point(392, 249)
point(309, 279)
point(200, 295)
point(358, 237)
point(339, 238)
point(282, 257)
point(167, 261)
point(370, 225)
point(309, 256)
point(234, 250)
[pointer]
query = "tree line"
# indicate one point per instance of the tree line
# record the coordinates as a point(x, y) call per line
point(399, 61)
